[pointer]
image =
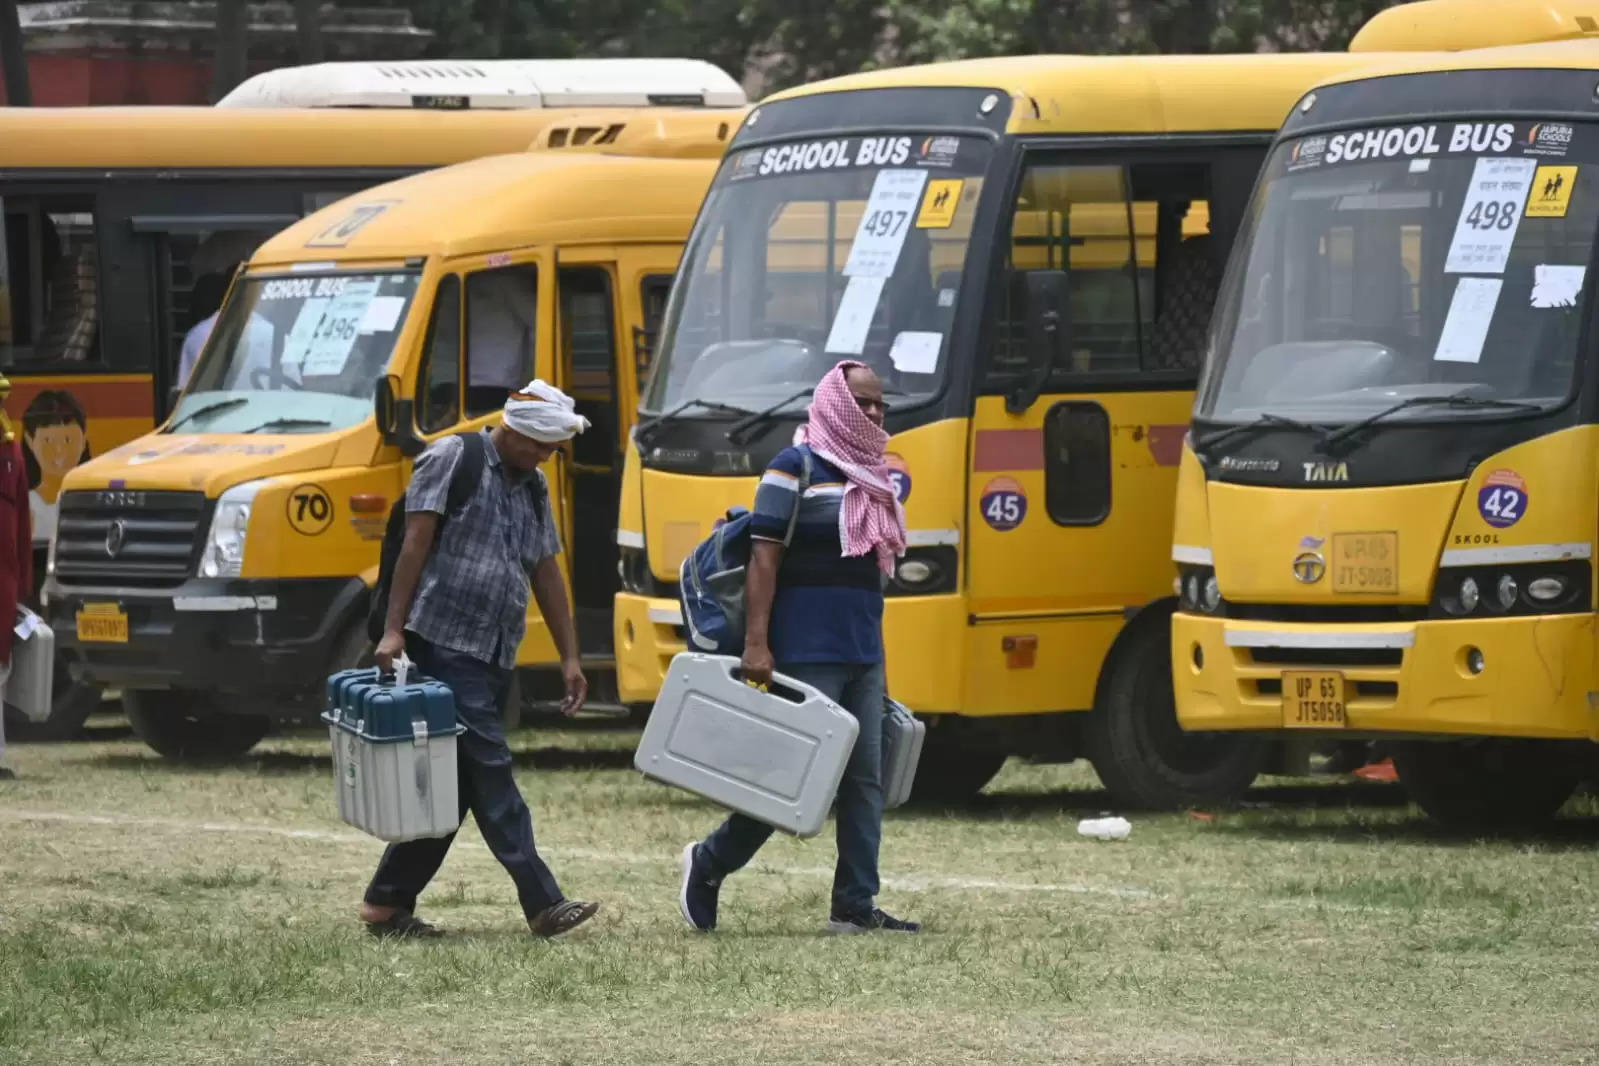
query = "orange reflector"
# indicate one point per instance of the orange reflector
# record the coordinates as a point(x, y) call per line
point(1020, 652)
point(369, 503)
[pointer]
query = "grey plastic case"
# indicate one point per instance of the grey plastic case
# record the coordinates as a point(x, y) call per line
point(775, 756)
point(903, 734)
point(31, 686)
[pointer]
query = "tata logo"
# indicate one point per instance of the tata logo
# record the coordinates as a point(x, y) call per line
point(1326, 471)
point(1309, 567)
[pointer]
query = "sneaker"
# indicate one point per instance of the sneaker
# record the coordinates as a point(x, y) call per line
point(403, 925)
point(561, 918)
point(697, 900)
point(872, 921)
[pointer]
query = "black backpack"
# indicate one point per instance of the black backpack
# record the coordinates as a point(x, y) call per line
point(463, 483)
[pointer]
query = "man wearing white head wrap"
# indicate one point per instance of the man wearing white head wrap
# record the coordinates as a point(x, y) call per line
point(545, 413)
point(456, 607)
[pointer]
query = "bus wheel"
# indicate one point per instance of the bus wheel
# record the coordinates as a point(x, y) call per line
point(185, 725)
point(950, 772)
point(1143, 757)
point(1486, 782)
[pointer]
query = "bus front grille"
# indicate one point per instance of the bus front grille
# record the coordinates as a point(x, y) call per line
point(128, 538)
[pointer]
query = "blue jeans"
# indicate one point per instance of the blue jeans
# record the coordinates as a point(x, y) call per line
point(488, 790)
point(860, 691)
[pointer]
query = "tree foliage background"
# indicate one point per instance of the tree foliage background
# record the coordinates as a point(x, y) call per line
point(776, 43)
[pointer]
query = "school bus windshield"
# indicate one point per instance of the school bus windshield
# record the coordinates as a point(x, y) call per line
point(1395, 263)
point(297, 354)
point(814, 251)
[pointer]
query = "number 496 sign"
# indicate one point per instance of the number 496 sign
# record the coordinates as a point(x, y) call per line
point(310, 510)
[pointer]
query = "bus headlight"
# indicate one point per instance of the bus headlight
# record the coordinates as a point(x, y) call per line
point(1198, 590)
point(230, 524)
point(1515, 590)
point(1211, 595)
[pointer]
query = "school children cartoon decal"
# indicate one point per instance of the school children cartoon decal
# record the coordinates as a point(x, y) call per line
point(55, 432)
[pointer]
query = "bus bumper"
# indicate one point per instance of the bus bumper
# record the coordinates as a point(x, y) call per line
point(273, 638)
point(648, 632)
point(1536, 680)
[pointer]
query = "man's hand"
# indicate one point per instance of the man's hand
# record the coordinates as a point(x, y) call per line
point(757, 664)
point(577, 687)
point(390, 648)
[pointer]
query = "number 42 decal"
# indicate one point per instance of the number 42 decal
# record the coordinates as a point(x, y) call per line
point(1503, 498)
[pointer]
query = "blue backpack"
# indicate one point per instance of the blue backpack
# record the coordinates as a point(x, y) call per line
point(710, 583)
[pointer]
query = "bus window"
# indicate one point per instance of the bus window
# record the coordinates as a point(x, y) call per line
point(51, 288)
point(502, 325)
point(439, 399)
point(654, 291)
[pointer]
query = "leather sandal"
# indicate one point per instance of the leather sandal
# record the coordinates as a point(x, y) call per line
point(561, 918)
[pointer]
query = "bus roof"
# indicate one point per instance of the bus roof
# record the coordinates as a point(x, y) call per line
point(1552, 55)
point(1454, 25)
point(661, 134)
point(179, 138)
point(491, 83)
point(502, 203)
point(1123, 94)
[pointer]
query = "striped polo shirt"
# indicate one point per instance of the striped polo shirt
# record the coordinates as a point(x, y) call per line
point(828, 608)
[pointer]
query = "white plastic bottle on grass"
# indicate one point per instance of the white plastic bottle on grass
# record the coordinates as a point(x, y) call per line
point(1110, 827)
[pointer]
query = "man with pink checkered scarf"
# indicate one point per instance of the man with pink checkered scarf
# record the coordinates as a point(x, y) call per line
point(814, 611)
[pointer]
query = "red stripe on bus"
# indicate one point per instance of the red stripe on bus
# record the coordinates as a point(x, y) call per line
point(121, 398)
point(1008, 449)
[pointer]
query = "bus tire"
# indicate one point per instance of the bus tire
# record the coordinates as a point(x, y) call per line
point(950, 772)
point(1144, 758)
point(1486, 783)
point(185, 726)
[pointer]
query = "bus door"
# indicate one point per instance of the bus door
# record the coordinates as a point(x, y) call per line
point(487, 337)
point(1072, 477)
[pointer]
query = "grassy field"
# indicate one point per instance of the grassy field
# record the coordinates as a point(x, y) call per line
point(155, 914)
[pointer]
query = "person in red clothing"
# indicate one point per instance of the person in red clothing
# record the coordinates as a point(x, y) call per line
point(16, 548)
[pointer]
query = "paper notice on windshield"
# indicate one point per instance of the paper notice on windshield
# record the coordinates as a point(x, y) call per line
point(382, 314)
point(1557, 286)
point(1490, 216)
point(884, 223)
point(854, 318)
point(916, 352)
point(334, 335)
point(1471, 312)
point(298, 341)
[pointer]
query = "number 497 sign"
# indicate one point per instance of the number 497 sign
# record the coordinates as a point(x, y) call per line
point(1502, 500)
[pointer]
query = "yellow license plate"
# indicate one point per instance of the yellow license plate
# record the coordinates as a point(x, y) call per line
point(1365, 563)
point(1313, 699)
point(103, 622)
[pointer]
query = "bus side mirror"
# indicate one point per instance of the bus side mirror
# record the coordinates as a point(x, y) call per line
point(385, 409)
point(1046, 313)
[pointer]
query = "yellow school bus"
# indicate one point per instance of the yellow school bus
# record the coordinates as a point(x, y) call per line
point(1385, 513)
point(1026, 251)
point(121, 226)
point(218, 569)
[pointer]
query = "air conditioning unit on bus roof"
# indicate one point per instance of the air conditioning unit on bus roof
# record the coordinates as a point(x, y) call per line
point(493, 83)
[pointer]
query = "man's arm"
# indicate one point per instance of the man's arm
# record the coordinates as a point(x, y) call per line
point(760, 587)
point(421, 529)
point(24, 525)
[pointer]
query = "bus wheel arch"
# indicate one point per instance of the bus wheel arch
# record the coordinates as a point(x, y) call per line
point(189, 726)
point(1489, 783)
point(1132, 738)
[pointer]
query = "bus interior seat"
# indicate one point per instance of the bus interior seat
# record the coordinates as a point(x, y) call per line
point(1190, 283)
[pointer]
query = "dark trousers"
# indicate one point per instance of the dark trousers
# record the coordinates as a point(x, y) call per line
point(859, 690)
point(487, 789)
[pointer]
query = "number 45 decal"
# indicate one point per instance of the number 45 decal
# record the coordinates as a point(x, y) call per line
point(310, 510)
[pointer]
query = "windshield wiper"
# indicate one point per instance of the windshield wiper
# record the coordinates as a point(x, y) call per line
point(649, 425)
point(1336, 436)
point(1267, 420)
point(735, 433)
point(209, 409)
point(290, 423)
